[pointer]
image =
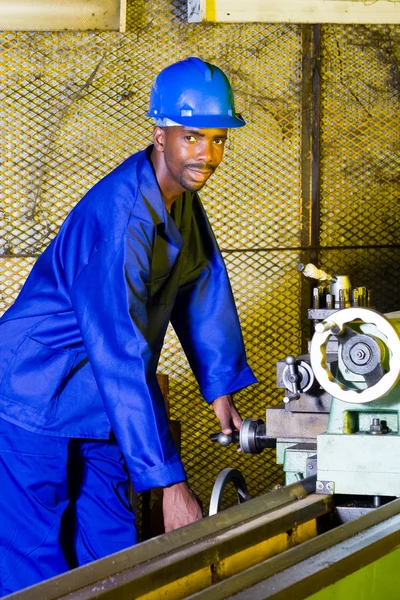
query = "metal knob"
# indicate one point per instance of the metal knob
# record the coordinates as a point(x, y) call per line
point(224, 439)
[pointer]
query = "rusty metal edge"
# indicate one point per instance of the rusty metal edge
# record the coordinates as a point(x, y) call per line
point(252, 582)
point(329, 566)
point(208, 553)
point(100, 570)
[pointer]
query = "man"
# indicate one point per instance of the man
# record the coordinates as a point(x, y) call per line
point(80, 346)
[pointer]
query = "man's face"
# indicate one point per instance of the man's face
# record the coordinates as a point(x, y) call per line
point(191, 155)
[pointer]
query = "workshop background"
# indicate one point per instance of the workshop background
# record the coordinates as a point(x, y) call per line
point(72, 107)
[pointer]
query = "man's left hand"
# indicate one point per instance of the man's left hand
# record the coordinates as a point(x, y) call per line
point(180, 506)
point(227, 414)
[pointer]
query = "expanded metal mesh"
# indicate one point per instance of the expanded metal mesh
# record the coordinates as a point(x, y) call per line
point(378, 269)
point(13, 272)
point(74, 107)
point(360, 158)
point(360, 143)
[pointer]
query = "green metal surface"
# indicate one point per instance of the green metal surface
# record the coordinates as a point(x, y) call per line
point(360, 463)
point(283, 443)
point(291, 471)
point(295, 463)
point(379, 579)
point(348, 418)
point(350, 458)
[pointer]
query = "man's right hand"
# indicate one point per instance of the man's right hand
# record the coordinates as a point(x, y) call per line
point(180, 506)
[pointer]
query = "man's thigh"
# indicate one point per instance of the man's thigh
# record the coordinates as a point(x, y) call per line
point(104, 519)
point(33, 498)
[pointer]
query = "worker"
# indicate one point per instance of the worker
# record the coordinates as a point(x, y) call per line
point(80, 407)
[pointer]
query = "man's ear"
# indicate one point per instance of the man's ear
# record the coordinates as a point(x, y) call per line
point(159, 138)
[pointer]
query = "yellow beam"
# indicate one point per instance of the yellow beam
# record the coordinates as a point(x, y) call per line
point(192, 558)
point(295, 11)
point(48, 15)
point(181, 587)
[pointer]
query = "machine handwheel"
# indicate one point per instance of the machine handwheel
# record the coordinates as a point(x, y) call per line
point(225, 477)
point(335, 325)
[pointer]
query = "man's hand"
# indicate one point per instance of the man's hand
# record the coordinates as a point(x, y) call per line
point(180, 506)
point(227, 414)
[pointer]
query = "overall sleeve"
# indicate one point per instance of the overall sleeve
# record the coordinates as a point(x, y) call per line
point(109, 300)
point(205, 317)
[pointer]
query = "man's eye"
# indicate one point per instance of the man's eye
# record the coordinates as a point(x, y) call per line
point(219, 141)
point(190, 138)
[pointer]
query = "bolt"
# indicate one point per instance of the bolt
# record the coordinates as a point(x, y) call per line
point(360, 354)
point(375, 427)
point(329, 485)
point(378, 427)
point(320, 485)
point(310, 467)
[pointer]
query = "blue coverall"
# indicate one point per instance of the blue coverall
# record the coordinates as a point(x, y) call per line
point(78, 357)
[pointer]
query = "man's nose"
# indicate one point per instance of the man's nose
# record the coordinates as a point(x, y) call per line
point(206, 152)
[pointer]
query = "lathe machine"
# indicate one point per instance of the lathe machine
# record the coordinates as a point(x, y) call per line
point(333, 531)
point(339, 418)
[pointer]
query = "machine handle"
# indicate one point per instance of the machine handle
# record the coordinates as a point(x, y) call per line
point(224, 439)
point(293, 378)
point(252, 437)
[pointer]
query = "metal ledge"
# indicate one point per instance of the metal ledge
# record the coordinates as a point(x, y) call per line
point(308, 568)
point(202, 544)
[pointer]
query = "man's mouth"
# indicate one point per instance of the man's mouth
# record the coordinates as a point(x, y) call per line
point(198, 173)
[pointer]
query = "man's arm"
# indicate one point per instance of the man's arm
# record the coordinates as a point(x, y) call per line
point(180, 505)
point(205, 317)
point(109, 300)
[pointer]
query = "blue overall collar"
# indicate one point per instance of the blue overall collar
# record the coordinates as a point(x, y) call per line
point(150, 190)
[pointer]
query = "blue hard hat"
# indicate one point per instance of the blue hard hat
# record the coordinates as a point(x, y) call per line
point(194, 93)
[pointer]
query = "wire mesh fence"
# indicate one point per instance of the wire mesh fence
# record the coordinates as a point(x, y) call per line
point(73, 107)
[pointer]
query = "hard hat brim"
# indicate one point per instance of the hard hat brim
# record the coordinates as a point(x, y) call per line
point(207, 121)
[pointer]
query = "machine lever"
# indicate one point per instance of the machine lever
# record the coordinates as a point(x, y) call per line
point(293, 377)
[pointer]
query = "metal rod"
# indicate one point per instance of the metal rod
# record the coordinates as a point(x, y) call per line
point(302, 248)
point(315, 297)
point(306, 158)
point(315, 137)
